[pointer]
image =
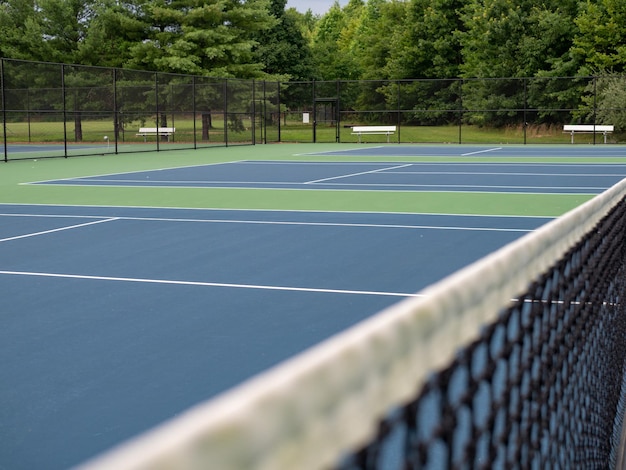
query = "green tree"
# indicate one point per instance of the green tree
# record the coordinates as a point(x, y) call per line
point(610, 102)
point(601, 38)
point(283, 49)
point(549, 90)
point(371, 50)
point(307, 22)
point(428, 42)
point(113, 31)
point(330, 47)
point(21, 35)
point(506, 38)
point(64, 24)
point(427, 47)
point(203, 37)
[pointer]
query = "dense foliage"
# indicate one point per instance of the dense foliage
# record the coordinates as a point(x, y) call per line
point(363, 40)
point(372, 39)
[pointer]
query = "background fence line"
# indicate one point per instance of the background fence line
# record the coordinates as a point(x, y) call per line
point(62, 110)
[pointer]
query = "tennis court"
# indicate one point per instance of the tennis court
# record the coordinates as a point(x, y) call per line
point(389, 176)
point(135, 288)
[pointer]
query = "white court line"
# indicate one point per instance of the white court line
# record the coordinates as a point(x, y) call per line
point(357, 174)
point(479, 186)
point(171, 183)
point(335, 224)
point(480, 151)
point(287, 222)
point(461, 163)
point(222, 209)
point(209, 284)
point(312, 187)
point(263, 184)
point(70, 227)
point(149, 170)
point(444, 173)
point(315, 163)
point(332, 153)
point(509, 173)
point(54, 216)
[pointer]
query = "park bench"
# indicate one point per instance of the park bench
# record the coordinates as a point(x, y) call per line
point(369, 130)
point(587, 129)
point(149, 131)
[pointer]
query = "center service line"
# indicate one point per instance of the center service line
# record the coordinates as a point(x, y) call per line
point(357, 174)
point(481, 151)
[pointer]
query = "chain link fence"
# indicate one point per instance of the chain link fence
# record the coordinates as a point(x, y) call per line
point(51, 110)
point(66, 110)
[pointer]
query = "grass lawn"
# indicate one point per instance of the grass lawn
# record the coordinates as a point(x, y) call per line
point(291, 131)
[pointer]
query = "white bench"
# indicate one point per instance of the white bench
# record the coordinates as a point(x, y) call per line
point(369, 130)
point(148, 131)
point(587, 129)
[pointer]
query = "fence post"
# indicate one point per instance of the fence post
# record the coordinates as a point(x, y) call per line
point(253, 117)
point(595, 96)
point(399, 108)
point(313, 97)
point(116, 117)
point(195, 111)
point(225, 88)
point(4, 111)
point(278, 88)
point(156, 105)
point(525, 107)
point(63, 93)
point(338, 112)
point(264, 117)
point(460, 110)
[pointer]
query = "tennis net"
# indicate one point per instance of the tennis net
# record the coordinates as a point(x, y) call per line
point(516, 361)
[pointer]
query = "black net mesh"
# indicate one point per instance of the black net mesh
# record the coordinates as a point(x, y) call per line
point(540, 388)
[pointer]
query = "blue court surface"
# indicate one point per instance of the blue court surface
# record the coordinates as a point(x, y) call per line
point(495, 151)
point(116, 319)
point(557, 178)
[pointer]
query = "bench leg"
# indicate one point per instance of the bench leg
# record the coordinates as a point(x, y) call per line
point(572, 137)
